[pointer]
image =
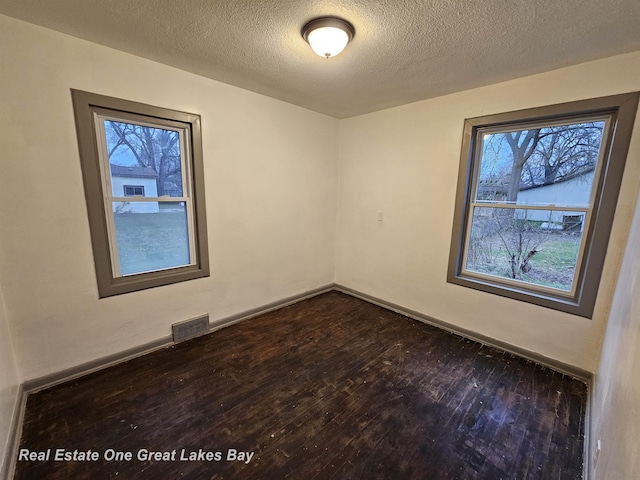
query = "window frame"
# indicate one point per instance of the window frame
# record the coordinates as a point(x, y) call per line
point(132, 195)
point(586, 210)
point(89, 108)
point(621, 109)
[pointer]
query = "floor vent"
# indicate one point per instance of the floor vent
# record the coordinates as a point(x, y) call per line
point(190, 328)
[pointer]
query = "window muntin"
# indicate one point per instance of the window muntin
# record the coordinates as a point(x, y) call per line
point(158, 236)
point(489, 203)
point(133, 190)
point(548, 168)
point(143, 176)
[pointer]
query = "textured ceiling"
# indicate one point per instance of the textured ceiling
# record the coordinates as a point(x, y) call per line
point(403, 50)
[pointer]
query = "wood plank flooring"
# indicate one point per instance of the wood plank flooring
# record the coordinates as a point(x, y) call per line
point(329, 388)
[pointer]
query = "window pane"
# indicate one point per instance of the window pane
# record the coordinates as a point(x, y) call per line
point(151, 241)
point(537, 194)
point(133, 190)
point(539, 247)
point(547, 165)
point(148, 156)
point(147, 218)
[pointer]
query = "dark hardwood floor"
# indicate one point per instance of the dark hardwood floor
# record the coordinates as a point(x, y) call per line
point(331, 387)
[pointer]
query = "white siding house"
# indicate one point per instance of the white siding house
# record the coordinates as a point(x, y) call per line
point(134, 182)
point(573, 192)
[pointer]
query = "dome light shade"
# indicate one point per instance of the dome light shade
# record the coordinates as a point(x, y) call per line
point(328, 35)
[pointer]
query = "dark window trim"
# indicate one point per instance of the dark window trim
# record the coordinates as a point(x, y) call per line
point(84, 106)
point(124, 187)
point(622, 109)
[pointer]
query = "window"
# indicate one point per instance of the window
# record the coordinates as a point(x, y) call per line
point(537, 191)
point(143, 177)
point(133, 190)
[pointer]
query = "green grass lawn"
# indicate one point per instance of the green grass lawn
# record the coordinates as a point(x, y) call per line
point(151, 241)
point(552, 266)
point(558, 252)
point(555, 264)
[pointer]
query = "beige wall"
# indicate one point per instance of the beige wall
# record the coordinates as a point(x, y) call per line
point(616, 403)
point(8, 385)
point(271, 179)
point(404, 162)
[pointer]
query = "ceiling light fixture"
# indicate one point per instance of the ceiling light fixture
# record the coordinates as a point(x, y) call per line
point(328, 35)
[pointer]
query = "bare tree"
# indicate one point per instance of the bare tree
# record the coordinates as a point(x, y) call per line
point(541, 156)
point(154, 148)
point(512, 161)
point(521, 239)
point(563, 152)
point(523, 144)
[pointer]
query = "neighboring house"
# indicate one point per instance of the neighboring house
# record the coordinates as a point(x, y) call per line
point(574, 191)
point(134, 182)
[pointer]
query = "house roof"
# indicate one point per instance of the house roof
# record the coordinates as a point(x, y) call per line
point(502, 184)
point(402, 51)
point(566, 178)
point(134, 171)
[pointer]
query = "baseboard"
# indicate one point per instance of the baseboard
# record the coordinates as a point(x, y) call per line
point(269, 307)
point(588, 471)
point(583, 375)
point(561, 367)
point(15, 430)
point(57, 378)
point(105, 362)
point(47, 381)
